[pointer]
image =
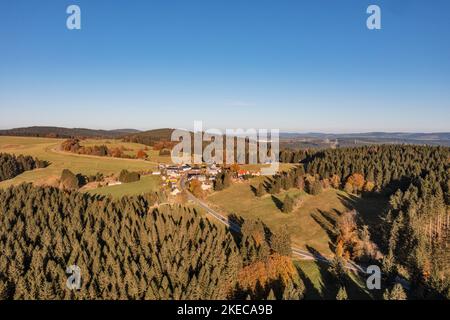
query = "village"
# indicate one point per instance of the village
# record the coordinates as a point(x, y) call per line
point(205, 173)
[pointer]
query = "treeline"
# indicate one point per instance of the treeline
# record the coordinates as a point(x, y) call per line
point(388, 167)
point(417, 236)
point(130, 249)
point(416, 226)
point(59, 132)
point(158, 137)
point(11, 166)
point(74, 146)
point(383, 169)
point(294, 178)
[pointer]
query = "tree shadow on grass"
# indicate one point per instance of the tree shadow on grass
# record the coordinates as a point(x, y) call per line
point(278, 202)
point(311, 292)
point(330, 284)
point(327, 222)
point(253, 189)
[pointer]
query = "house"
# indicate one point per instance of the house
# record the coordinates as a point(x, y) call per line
point(243, 173)
point(185, 167)
point(156, 173)
point(114, 183)
point(212, 170)
point(199, 177)
point(172, 173)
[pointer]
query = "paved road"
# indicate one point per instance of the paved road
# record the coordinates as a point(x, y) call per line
point(302, 254)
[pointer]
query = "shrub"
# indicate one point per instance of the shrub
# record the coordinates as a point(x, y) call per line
point(164, 152)
point(69, 180)
point(314, 187)
point(127, 177)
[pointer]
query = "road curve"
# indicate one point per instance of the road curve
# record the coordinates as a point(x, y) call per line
point(302, 254)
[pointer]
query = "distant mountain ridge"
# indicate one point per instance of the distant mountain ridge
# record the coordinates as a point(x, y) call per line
point(61, 132)
point(314, 139)
point(373, 135)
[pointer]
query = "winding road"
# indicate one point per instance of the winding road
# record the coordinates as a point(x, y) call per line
point(300, 253)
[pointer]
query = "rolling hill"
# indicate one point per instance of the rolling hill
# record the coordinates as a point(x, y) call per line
point(60, 132)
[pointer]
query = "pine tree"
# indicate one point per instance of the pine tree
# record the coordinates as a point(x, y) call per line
point(280, 242)
point(342, 294)
point(397, 293)
point(271, 295)
point(260, 190)
point(288, 204)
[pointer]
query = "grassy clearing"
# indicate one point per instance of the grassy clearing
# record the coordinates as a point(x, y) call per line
point(256, 167)
point(302, 223)
point(145, 185)
point(45, 149)
point(320, 284)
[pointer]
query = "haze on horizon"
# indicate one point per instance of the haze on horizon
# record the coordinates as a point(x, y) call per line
point(302, 66)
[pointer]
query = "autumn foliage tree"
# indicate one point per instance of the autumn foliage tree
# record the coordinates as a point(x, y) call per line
point(195, 187)
point(355, 183)
point(141, 154)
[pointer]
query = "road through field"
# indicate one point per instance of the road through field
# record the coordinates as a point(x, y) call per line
point(300, 253)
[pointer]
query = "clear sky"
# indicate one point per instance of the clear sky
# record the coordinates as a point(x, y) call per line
point(294, 65)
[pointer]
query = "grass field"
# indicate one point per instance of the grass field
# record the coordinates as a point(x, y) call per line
point(145, 185)
point(303, 225)
point(45, 149)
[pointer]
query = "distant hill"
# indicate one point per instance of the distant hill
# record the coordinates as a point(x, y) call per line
point(150, 137)
point(373, 135)
point(287, 139)
point(59, 132)
point(321, 140)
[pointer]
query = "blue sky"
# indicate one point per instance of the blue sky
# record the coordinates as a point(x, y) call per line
point(293, 65)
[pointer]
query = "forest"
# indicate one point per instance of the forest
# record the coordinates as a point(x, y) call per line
point(416, 225)
point(131, 249)
point(11, 166)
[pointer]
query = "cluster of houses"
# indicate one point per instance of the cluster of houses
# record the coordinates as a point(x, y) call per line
point(205, 173)
point(170, 174)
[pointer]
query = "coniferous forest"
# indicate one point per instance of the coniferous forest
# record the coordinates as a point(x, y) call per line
point(416, 225)
point(129, 249)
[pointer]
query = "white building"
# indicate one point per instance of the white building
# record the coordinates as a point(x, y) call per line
point(114, 183)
